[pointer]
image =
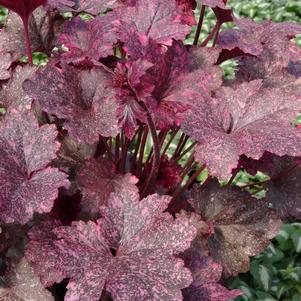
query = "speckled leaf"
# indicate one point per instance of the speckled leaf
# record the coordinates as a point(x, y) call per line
point(130, 252)
point(284, 194)
point(5, 63)
point(12, 90)
point(24, 285)
point(83, 98)
point(242, 225)
point(43, 28)
point(97, 179)
point(88, 41)
point(254, 38)
point(206, 274)
point(28, 184)
point(158, 19)
point(245, 120)
point(96, 7)
point(213, 3)
point(42, 242)
point(62, 5)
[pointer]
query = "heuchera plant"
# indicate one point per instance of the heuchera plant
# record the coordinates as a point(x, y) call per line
point(88, 211)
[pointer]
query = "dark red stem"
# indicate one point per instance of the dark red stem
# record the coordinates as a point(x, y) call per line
point(156, 157)
point(211, 35)
point(27, 39)
point(141, 153)
point(199, 28)
point(179, 191)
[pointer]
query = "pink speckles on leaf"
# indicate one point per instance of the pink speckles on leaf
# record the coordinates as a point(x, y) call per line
point(28, 184)
point(246, 120)
point(142, 267)
point(83, 98)
point(87, 41)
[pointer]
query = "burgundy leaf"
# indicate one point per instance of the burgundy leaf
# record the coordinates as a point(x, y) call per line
point(24, 285)
point(98, 179)
point(82, 98)
point(284, 194)
point(13, 91)
point(43, 28)
point(213, 3)
point(96, 7)
point(246, 120)
point(269, 164)
point(188, 7)
point(129, 91)
point(63, 5)
point(130, 252)
point(242, 225)
point(5, 63)
point(223, 13)
point(206, 274)
point(88, 40)
point(254, 38)
point(28, 184)
point(158, 19)
point(23, 8)
point(42, 241)
point(180, 78)
point(169, 174)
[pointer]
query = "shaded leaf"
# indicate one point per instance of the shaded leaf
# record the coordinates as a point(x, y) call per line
point(284, 194)
point(97, 179)
point(24, 285)
point(242, 225)
point(82, 98)
point(206, 274)
point(43, 29)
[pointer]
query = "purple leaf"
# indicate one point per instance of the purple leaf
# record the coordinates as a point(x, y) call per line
point(253, 38)
point(239, 121)
point(206, 274)
point(5, 63)
point(88, 41)
point(98, 179)
point(13, 91)
point(23, 284)
point(130, 252)
point(96, 7)
point(129, 91)
point(62, 5)
point(242, 225)
point(43, 29)
point(23, 8)
point(187, 7)
point(180, 78)
point(28, 183)
point(284, 194)
point(213, 3)
point(42, 241)
point(83, 98)
point(158, 19)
